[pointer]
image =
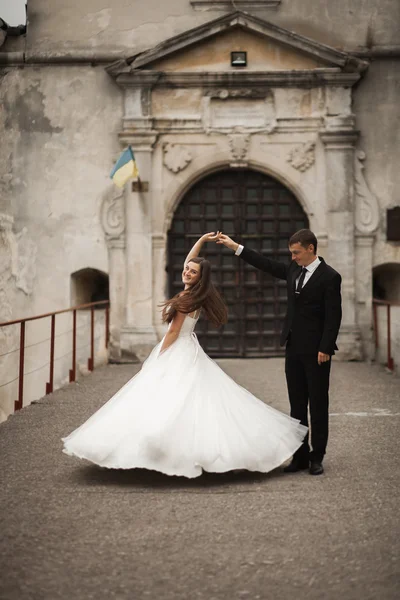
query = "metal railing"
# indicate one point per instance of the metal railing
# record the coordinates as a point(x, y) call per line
point(18, 404)
point(375, 304)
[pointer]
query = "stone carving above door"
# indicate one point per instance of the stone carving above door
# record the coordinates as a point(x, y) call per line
point(302, 157)
point(366, 204)
point(239, 146)
point(176, 157)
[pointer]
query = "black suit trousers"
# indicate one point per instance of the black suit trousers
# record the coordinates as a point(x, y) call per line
point(308, 385)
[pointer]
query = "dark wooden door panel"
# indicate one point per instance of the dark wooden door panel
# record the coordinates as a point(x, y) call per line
point(260, 213)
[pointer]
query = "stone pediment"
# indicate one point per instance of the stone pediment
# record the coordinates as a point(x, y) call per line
point(269, 48)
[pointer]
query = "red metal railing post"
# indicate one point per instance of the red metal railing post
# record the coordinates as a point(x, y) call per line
point(390, 363)
point(49, 385)
point(375, 314)
point(72, 372)
point(376, 303)
point(18, 403)
point(91, 359)
point(107, 325)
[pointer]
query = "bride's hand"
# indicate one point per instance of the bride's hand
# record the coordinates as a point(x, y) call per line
point(211, 237)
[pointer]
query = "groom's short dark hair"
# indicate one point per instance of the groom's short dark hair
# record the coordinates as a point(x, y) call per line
point(305, 237)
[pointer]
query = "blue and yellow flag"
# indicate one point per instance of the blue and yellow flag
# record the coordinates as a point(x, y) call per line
point(125, 168)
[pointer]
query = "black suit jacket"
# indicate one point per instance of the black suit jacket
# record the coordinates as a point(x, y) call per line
point(313, 317)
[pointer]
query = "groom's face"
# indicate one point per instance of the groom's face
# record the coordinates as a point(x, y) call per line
point(302, 256)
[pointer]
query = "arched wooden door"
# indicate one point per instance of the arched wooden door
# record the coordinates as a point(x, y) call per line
point(259, 212)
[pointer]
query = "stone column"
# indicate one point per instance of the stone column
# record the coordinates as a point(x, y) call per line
point(364, 261)
point(138, 335)
point(160, 283)
point(339, 157)
point(367, 220)
point(113, 221)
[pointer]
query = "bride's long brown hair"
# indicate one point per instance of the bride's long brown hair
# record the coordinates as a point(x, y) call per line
point(202, 294)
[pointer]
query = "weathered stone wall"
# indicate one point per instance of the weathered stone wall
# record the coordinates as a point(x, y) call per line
point(58, 144)
point(133, 25)
point(377, 110)
point(60, 129)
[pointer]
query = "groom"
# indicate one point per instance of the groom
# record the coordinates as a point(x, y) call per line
point(310, 329)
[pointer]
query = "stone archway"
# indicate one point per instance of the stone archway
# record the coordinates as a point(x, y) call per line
point(259, 212)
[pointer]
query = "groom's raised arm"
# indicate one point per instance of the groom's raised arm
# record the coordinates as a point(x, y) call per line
point(273, 267)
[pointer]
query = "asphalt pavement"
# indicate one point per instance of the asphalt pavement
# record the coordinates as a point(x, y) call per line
point(71, 530)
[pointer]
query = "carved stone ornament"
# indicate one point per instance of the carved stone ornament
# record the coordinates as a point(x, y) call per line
point(239, 145)
point(366, 204)
point(176, 157)
point(302, 157)
point(113, 215)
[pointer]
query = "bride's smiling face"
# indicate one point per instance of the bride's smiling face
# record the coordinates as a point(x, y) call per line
point(191, 274)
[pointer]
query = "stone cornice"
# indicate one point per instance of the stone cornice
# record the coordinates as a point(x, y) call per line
point(118, 58)
point(227, 4)
point(253, 79)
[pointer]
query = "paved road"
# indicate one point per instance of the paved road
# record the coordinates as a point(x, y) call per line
point(69, 530)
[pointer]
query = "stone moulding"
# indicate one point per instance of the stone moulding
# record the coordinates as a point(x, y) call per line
point(113, 216)
point(176, 157)
point(302, 157)
point(238, 79)
point(366, 204)
point(159, 240)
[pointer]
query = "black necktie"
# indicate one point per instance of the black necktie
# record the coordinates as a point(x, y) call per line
point(301, 280)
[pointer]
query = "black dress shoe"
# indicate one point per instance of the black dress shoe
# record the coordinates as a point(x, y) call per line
point(296, 465)
point(316, 468)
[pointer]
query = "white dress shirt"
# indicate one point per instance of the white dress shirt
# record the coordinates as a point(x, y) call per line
point(310, 268)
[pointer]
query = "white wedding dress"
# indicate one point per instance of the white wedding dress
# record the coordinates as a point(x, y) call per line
point(180, 415)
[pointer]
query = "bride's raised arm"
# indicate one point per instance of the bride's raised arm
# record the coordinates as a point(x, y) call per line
point(195, 251)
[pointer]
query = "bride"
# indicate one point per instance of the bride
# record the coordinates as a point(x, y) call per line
point(181, 414)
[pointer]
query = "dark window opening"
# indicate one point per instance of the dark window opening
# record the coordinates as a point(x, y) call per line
point(386, 282)
point(89, 285)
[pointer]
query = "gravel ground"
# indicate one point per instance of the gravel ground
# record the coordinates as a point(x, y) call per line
point(69, 529)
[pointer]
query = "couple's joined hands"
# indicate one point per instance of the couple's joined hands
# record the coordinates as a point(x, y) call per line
point(220, 238)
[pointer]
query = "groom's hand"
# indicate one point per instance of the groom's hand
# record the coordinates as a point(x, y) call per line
point(227, 241)
point(322, 357)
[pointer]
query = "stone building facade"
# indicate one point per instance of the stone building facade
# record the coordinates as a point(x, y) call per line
point(306, 133)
